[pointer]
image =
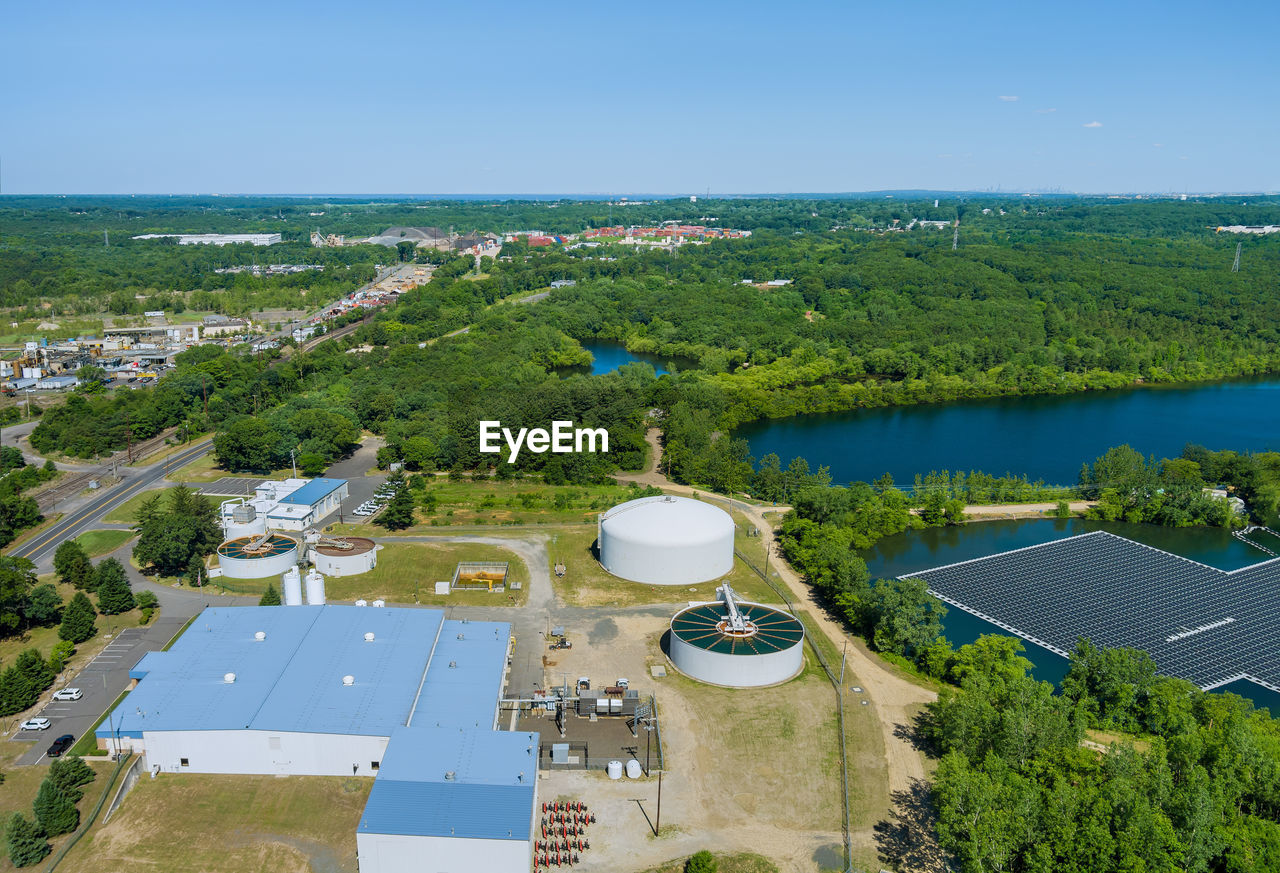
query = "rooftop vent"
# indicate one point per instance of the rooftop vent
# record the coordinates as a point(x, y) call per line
point(449, 775)
point(462, 636)
point(260, 636)
point(228, 678)
point(452, 664)
point(368, 638)
point(348, 680)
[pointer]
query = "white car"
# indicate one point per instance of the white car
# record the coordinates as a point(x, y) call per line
point(34, 724)
point(68, 694)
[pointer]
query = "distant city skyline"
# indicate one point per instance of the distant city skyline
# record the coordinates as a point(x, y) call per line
point(743, 98)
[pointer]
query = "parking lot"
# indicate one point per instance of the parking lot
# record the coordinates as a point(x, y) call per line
point(101, 681)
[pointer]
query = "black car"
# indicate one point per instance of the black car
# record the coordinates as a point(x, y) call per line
point(60, 745)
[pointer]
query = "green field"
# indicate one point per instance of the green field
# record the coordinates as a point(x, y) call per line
point(586, 583)
point(251, 824)
point(528, 501)
point(103, 542)
point(204, 470)
point(407, 573)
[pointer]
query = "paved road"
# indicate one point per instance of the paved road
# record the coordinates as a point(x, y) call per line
point(76, 522)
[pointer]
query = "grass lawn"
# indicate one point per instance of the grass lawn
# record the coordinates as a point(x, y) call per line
point(206, 469)
point(738, 862)
point(586, 583)
point(127, 512)
point(103, 542)
point(407, 571)
point(528, 501)
point(251, 824)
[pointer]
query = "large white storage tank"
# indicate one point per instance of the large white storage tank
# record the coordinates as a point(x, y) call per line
point(666, 540)
point(736, 643)
point(257, 557)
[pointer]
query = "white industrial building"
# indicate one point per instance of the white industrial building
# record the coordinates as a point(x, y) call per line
point(400, 694)
point(217, 239)
point(666, 540)
point(293, 505)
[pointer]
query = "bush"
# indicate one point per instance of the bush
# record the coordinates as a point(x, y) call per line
point(701, 862)
point(145, 616)
point(270, 597)
point(62, 652)
point(147, 599)
point(69, 773)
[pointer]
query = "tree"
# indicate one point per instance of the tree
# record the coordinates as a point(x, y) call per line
point(399, 512)
point(249, 445)
point(69, 773)
point(44, 607)
point(701, 862)
point(56, 813)
point(77, 620)
point(62, 652)
point(312, 463)
point(270, 597)
point(17, 578)
point(995, 655)
point(35, 669)
point(147, 599)
point(72, 564)
point(905, 616)
point(175, 533)
point(112, 584)
point(27, 845)
point(16, 691)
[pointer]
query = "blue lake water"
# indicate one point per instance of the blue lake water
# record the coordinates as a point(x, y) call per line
point(1041, 437)
point(914, 551)
point(608, 357)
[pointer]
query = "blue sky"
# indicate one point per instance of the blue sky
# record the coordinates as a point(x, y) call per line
point(668, 97)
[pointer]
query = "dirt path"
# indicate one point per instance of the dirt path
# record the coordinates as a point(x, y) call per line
point(1023, 510)
point(896, 699)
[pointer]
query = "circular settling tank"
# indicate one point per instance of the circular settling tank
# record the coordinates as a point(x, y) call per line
point(666, 541)
point(257, 557)
point(332, 559)
point(766, 649)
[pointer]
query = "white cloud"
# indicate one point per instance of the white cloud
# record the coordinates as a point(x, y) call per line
point(1158, 145)
point(944, 156)
point(1007, 99)
point(1045, 111)
point(1094, 124)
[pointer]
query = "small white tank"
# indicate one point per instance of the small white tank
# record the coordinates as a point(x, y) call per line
point(633, 769)
point(362, 602)
point(614, 769)
point(315, 588)
point(292, 584)
point(379, 603)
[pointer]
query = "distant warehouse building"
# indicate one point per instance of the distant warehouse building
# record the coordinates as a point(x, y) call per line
point(217, 239)
point(403, 695)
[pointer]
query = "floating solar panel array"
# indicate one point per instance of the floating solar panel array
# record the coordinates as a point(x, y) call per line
point(1198, 623)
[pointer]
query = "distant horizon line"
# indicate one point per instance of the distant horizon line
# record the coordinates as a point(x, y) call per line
point(653, 195)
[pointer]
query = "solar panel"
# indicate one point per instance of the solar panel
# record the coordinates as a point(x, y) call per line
point(1197, 622)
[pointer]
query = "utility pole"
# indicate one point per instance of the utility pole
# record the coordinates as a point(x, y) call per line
point(293, 464)
point(205, 394)
point(657, 825)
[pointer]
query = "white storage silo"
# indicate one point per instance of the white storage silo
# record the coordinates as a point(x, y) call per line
point(666, 540)
point(241, 519)
point(315, 588)
point(342, 556)
point(292, 585)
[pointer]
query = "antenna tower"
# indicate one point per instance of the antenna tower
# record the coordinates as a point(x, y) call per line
point(955, 238)
point(1235, 268)
point(106, 239)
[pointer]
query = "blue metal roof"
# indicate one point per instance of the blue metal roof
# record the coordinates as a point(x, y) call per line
point(292, 680)
point(143, 667)
point(469, 655)
point(491, 794)
point(314, 491)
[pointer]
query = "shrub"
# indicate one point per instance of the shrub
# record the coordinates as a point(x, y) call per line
point(701, 862)
point(26, 843)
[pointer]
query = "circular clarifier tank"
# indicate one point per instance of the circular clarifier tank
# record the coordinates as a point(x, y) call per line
point(256, 557)
point(764, 647)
